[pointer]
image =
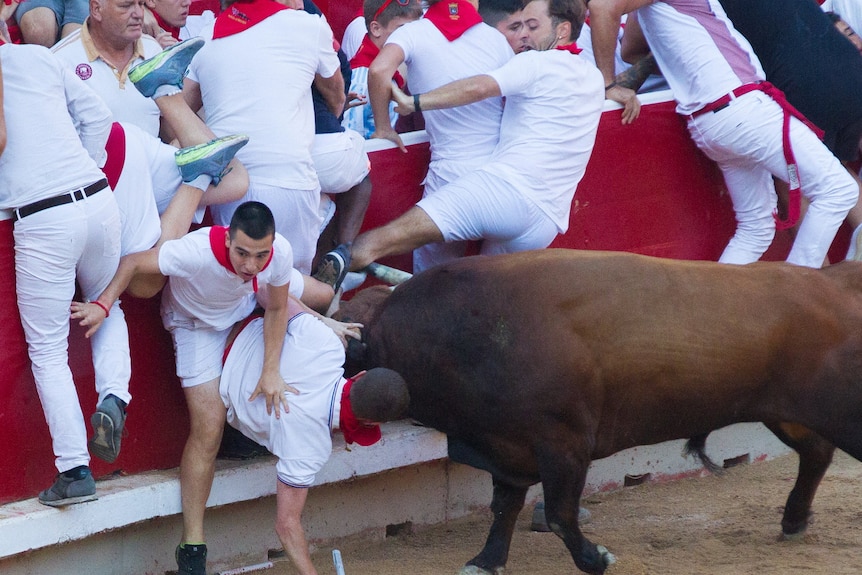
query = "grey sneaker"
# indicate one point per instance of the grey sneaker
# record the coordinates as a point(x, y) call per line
point(191, 559)
point(210, 159)
point(108, 422)
point(334, 267)
point(167, 68)
point(74, 486)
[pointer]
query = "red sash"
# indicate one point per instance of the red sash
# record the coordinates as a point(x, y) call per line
point(353, 431)
point(366, 54)
point(116, 149)
point(573, 48)
point(220, 251)
point(453, 17)
point(174, 31)
point(241, 16)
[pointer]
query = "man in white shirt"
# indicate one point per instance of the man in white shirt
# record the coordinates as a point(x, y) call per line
point(67, 228)
point(441, 47)
point(521, 198)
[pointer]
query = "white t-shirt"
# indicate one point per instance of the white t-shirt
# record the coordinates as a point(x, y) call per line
point(700, 53)
point(121, 96)
point(257, 83)
point(134, 192)
point(462, 138)
point(201, 292)
point(554, 101)
point(311, 361)
point(353, 35)
point(44, 104)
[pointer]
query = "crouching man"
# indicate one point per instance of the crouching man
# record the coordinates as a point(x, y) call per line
point(311, 362)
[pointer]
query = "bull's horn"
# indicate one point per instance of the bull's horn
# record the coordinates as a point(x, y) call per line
point(387, 274)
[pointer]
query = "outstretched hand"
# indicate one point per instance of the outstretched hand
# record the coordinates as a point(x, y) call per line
point(273, 387)
point(629, 99)
point(91, 315)
point(403, 102)
point(344, 330)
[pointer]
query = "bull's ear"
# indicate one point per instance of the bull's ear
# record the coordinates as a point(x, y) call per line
point(356, 351)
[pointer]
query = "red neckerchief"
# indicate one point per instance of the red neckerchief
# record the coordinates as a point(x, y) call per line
point(241, 16)
point(116, 149)
point(366, 54)
point(573, 48)
point(453, 17)
point(220, 251)
point(175, 32)
point(353, 431)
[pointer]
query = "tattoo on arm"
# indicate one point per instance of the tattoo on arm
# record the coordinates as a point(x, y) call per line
point(634, 77)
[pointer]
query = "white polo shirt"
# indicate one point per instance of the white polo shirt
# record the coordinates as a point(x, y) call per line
point(201, 292)
point(464, 137)
point(79, 55)
point(54, 106)
point(311, 361)
point(257, 82)
point(554, 102)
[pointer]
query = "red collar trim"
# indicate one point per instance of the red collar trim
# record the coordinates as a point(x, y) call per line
point(366, 54)
point(222, 256)
point(353, 431)
point(241, 16)
point(453, 18)
point(174, 31)
point(573, 48)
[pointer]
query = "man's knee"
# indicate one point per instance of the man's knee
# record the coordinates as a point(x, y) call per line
point(39, 26)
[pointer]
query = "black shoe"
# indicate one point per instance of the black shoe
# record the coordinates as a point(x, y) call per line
point(72, 486)
point(334, 267)
point(191, 559)
point(108, 422)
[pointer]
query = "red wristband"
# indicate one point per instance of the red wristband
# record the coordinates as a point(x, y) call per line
point(101, 305)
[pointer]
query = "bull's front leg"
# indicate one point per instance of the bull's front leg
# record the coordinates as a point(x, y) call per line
point(563, 478)
point(506, 505)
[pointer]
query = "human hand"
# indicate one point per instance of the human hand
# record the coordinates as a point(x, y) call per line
point(385, 132)
point(355, 99)
point(7, 9)
point(403, 102)
point(165, 39)
point(273, 387)
point(91, 315)
point(344, 330)
point(629, 99)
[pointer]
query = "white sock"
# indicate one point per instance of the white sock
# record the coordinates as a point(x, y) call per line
point(202, 182)
point(166, 90)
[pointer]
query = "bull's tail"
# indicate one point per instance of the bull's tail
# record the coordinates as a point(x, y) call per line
point(696, 446)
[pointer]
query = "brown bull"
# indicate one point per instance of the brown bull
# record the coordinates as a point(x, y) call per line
point(534, 364)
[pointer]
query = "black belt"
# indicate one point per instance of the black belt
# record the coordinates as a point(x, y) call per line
point(62, 199)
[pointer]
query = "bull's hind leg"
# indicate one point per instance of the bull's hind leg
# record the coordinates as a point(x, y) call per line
point(563, 478)
point(506, 505)
point(815, 456)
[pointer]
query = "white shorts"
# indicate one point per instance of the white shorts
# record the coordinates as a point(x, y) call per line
point(199, 353)
point(340, 160)
point(484, 206)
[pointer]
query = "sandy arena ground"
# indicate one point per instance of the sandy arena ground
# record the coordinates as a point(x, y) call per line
point(726, 525)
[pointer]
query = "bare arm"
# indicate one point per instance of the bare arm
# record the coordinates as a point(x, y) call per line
point(271, 385)
point(332, 89)
point(380, 91)
point(93, 314)
point(457, 93)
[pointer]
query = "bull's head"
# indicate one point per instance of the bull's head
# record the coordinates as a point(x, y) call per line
point(361, 308)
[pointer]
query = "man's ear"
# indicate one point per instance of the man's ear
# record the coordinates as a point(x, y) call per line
point(564, 32)
point(375, 29)
point(227, 239)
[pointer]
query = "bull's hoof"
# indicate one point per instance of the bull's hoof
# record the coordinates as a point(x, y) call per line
point(607, 557)
point(476, 570)
point(798, 536)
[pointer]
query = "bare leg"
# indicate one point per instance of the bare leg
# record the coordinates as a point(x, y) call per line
point(68, 29)
point(39, 26)
point(290, 502)
point(351, 208)
point(409, 231)
point(197, 467)
point(187, 126)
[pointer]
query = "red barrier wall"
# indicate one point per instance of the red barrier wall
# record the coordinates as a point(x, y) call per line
point(647, 189)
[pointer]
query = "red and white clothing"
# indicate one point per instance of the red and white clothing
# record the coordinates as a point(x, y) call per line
point(463, 138)
point(703, 59)
point(204, 297)
point(46, 157)
point(256, 82)
point(523, 195)
point(81, 57)
point(311, 361)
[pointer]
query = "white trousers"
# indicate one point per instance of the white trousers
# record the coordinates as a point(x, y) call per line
point(52, 247)
point(745, 140)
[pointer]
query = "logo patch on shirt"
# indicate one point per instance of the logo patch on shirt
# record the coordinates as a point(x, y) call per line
point(453, 10)
point(84, 71)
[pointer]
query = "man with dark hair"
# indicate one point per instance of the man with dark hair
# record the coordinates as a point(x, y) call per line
point(311, 359)
point(506, 17)
point(216, 277)
point(521, 198)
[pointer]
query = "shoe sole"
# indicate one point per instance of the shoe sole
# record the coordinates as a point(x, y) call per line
point(145, 68)
point(102, 443)
point(189, 155)
point(70, 500)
